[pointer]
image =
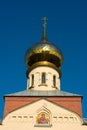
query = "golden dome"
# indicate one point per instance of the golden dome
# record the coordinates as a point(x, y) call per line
point(43, 53)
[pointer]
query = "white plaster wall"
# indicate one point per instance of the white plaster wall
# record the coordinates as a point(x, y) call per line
point(49, 79)
point(25, 117)
point(27, 126)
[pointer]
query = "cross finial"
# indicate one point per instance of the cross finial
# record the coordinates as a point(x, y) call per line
point(44, 27)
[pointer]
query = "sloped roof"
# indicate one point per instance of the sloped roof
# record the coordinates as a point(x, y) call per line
point(84, 121)
point(0, 121)
point(42, 93)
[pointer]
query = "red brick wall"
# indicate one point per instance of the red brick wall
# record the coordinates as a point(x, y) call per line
point(71, 103)
point(12, 103)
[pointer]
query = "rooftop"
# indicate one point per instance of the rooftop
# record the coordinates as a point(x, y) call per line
point(0, 121)
point(43, 93)
point(84, 121)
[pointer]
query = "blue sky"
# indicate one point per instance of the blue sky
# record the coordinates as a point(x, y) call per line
point(21, 27)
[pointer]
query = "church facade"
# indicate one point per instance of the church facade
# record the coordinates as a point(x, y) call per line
point(43, 105)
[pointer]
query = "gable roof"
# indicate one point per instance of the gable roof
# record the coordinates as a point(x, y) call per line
point(43, 93)
point(42, 103)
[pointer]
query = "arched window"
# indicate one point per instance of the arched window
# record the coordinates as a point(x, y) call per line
point(54, 80)
point(32, 80)
point(43, 79)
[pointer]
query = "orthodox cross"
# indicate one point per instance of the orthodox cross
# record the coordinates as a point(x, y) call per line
point(44, 25)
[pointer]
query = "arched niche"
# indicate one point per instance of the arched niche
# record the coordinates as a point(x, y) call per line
point(43, 118)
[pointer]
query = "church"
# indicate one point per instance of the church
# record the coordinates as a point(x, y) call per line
point(43, 105)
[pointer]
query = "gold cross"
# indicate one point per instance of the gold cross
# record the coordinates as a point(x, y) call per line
point(44, 19)
point(44, 25)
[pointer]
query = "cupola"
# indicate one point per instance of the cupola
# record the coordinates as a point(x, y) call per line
point(43, 54)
